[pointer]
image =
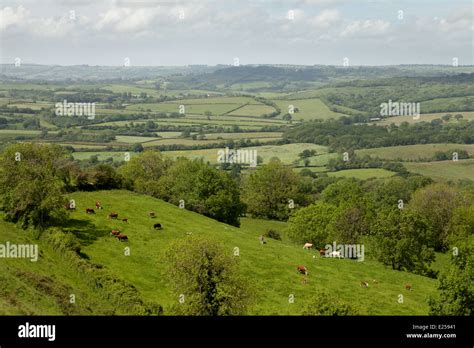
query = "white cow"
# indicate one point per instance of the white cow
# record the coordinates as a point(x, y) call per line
point(307, 246)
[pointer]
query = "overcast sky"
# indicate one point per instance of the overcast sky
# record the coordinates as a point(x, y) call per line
point(102, 32)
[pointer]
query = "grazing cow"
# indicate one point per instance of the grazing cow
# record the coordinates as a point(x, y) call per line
point(262, 240)
point(152, 214)
point(98, 205)
point(322, 252)
point(122, 238)
point(124, 220)
point(90, 211)
point(364, 284)
point(115, 233)
point(157, 226)
point(307, 246)
point(335, 254)
point(302, 270)
point(408, 287)
point(113, 216)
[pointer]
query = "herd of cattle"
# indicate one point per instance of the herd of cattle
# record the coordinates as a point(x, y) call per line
point(323, 252)
point(114, 216)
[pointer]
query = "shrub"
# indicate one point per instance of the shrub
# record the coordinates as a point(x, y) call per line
point(328, 305)
point(273, 234)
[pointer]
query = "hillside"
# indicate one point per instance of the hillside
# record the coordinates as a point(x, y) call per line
point(43, 287)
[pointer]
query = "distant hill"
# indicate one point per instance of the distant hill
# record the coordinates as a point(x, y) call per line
point(219, 74)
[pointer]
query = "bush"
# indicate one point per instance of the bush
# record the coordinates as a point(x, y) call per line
point(208, 277)
point(273, 234)
point(328, 305)
point(62, 241)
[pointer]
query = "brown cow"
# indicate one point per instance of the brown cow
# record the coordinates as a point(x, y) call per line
point(124, 220)
point(115, 233)
point(364, 284)
point(322, 252)
point(90, 211)
point(122, 237)
point(302, 270)
point(408, 287)
point(113, 216)
point(152, 214)
point(98, 205)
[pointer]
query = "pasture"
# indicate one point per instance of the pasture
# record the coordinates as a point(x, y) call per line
point(363, 173)
point(274, 277)
point(444, 170)
point(417, 152)
point(285, 153)
point(467, 115)
point(308, 109)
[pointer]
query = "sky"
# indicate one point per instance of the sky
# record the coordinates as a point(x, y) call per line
point(303, 32)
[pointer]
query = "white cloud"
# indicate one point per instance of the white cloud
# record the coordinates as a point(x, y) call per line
point(326, 18)
point(369, 27)
point(11, 17)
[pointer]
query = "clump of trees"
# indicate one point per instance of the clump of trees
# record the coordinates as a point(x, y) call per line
point(455, 284)
point(196, 185)
point(270, 190)
point(342, 137)
point(33, 179)
point(404, 220)
point(206, 278)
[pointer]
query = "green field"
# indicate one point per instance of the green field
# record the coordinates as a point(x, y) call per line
point(133, 139)
point(467, 115)
point(444, 170)
point(286, 153)
point(271, 268)
point(319, 160)
point(102, 155)
point(309, 109)
point(363, 173)
point(252, 110)
point(418, 152)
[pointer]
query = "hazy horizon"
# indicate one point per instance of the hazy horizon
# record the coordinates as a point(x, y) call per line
point(181, 33)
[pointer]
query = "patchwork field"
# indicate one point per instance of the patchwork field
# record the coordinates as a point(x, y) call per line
point(414, 152)
point(467, 115)
point(363, 173)
point(285, 153)
point(444, 170)
point(308, 109)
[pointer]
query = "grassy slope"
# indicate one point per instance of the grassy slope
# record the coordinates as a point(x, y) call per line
point(414, 152)
point(44, 287)
point(444, 170)
point(270, 267)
